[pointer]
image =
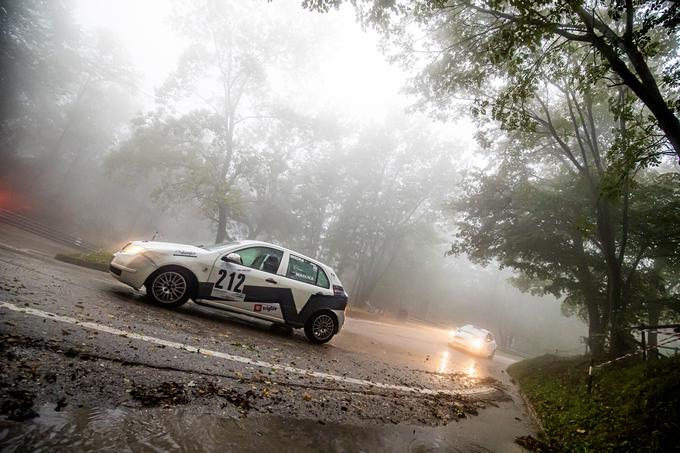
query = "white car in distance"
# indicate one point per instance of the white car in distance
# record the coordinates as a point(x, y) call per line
point(251, 278)
point(473, 339)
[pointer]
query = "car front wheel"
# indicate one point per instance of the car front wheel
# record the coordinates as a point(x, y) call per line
point(321, 327)
point(170, 287)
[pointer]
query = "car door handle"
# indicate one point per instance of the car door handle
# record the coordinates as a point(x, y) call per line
point(271, 280)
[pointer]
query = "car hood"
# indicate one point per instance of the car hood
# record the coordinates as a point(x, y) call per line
point(171, 248)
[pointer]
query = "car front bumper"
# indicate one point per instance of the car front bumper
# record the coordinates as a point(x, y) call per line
point(485, 350)
point(131, 269)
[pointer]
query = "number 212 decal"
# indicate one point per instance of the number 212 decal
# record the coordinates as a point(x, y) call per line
point(230, 287)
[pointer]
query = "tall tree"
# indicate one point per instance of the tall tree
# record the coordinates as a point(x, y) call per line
point(67, 93)
point(38, 42)
point(500, 55)
point(206, 132)
point(563, 154)
point(395, 178)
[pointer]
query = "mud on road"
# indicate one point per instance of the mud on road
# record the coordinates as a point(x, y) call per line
point(73, 339)
point(43, 372)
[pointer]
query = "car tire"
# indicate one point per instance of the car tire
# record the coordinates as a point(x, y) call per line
point(170, 286)
point(321, 326)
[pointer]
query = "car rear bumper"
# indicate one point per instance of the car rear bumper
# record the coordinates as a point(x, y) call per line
point(340, 314)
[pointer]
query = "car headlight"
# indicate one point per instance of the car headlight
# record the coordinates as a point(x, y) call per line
point(132, 249)
point(478, 344)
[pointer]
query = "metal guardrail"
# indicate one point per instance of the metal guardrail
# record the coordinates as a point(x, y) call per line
point(46, 231)
point(428, 322)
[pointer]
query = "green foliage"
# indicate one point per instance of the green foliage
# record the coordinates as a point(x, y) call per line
point(634, 406)
point(98, 261)
point(497, 52)
point(533, 227)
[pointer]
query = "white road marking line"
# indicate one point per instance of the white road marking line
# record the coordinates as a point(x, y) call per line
point(240, 359)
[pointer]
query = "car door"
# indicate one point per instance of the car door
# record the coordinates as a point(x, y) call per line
point(305, 279)
point(252, 286)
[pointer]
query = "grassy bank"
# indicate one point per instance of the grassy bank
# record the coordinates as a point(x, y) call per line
point(633, 406)
point(98, 261)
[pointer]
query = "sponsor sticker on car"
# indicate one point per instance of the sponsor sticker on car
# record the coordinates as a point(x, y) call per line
point(221, 293)
point(267, 308)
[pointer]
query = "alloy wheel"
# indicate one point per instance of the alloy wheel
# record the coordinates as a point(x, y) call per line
point(169, 287)
point(323, 327)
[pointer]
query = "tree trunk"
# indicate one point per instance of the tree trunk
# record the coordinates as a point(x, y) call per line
point(595, 331)
point(592, 298)
point(619, 336)
point(221, 224)
point(653, 315)
point(47, 161)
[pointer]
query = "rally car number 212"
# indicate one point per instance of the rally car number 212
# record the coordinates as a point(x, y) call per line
point(249, 277)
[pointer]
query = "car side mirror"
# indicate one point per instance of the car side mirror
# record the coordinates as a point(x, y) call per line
point(233, 258)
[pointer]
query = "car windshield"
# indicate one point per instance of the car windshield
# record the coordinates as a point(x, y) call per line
point(219, 246)
point(472, 330)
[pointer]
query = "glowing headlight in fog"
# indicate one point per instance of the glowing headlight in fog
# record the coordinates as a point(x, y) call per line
point(478, 344)
point(133, 249)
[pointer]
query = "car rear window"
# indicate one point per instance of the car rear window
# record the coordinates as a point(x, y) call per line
point(305, 271)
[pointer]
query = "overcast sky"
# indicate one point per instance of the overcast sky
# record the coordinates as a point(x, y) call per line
point(355, 75)
point(353, 78)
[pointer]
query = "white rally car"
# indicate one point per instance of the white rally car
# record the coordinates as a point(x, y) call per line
point(249, 277)
point(473, 339)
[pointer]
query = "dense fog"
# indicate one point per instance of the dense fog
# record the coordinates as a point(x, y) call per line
point(211, 121)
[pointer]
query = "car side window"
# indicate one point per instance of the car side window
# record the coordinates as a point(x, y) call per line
point(262, 258)
point(305, 271)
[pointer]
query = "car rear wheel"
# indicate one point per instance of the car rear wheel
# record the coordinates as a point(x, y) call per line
point(321, 327)
point(170, 287)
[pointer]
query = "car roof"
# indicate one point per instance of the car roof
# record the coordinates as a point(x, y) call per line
point(473, 327)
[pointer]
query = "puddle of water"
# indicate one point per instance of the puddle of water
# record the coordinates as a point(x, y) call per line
point(178, 429)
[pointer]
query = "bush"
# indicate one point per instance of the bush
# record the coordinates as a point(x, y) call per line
point(98, 261)
point(633, 406)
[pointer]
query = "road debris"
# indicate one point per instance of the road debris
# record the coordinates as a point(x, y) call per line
point(534, 445)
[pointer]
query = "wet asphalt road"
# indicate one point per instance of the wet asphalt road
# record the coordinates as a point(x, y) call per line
point(111, 371)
